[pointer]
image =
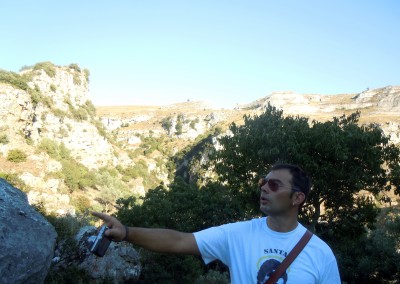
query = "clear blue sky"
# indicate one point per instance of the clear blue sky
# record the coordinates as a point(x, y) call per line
point(222, 51)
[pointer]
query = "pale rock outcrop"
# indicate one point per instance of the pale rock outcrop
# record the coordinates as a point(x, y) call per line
point(120, 264)
point(27, 239)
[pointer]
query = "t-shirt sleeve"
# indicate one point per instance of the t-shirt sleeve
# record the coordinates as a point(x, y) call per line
point(213, 244)
point(331, 273)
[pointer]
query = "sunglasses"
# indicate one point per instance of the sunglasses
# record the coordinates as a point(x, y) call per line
point(273, 184)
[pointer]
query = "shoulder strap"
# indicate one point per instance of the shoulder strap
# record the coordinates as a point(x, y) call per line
point(290, 257)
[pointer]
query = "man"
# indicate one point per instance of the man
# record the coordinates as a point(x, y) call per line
point(251, 249)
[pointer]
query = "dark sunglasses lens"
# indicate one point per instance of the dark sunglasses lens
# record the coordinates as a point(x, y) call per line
point(273, 185)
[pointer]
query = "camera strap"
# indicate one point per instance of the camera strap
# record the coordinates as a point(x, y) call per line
point(290, 257)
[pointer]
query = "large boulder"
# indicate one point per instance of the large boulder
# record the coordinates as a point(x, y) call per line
point(27, 239)
point(120, 264)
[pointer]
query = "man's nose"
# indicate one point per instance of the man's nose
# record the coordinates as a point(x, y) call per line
point(265, 187)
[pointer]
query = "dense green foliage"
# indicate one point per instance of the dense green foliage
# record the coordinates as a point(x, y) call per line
point(48, 67)
point(179, 125)
point(16, 156)
point(14, 80)
point(166, 123)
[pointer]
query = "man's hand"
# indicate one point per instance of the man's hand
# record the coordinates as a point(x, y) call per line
point(117, 231)
point(158, 240)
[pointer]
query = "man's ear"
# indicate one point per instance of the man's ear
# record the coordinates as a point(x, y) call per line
point(298, 198)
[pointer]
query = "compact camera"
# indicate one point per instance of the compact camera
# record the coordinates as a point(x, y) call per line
point(99, 244)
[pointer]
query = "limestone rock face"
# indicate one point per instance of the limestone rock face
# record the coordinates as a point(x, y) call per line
point(27, 239)
point(61, 114)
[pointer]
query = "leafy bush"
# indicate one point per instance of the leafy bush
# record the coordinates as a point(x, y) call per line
point(75, 67)
point(76, 175)
point(87, 74)
point(81, 203)
point(166, 123)
point(53, 88)
point(55, 150)
point(59, 113)
point(100, 128)
point(179, 127)
point(79, 113)
point(77, 79)
point(90, 108)
point(193, 123)
point(140, 169)
point(4, 139)
point(16, 156)
point(14, 80)
point(37, 97)
point(152, 143)
point(111, 187)
point(47, 67)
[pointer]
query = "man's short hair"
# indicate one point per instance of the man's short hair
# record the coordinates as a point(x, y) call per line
point(300, 179)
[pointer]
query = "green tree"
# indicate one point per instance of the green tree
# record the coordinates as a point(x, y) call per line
point(341, 157)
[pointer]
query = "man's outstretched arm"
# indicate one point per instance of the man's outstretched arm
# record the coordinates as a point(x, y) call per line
point(158, 240)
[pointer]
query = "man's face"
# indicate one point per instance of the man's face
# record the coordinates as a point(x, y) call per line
point(276, 202)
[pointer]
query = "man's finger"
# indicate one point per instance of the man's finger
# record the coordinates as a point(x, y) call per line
point(102, 216)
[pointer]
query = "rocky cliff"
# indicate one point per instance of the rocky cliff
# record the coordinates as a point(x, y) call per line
point(380, 106)
point(44, 110)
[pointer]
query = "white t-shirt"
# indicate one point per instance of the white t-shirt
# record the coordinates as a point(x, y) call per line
point(252, 251)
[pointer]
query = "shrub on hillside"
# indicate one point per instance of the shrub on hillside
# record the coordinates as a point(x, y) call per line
point(14, 80)
point(166, 123)
point(77, 79)
point(79, 113)
point(75, 67)
point(16, 156)
point(4, 139)
point(81, 203)
point(38, 97)
point(47, 67)
point(87, 74)
point(55, 150)
point(59, 113)
point(76, 175)
point(100, 128)
point(90, 108)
